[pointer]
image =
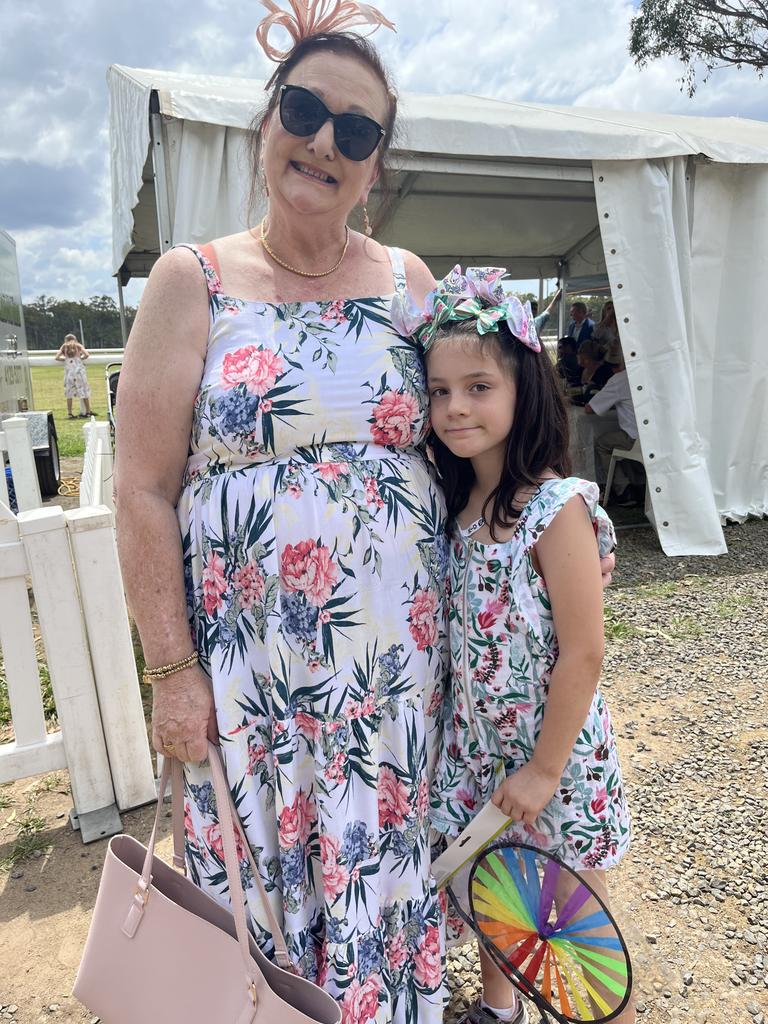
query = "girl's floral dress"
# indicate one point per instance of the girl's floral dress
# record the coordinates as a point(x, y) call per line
point(503, 650)
point(315, 559)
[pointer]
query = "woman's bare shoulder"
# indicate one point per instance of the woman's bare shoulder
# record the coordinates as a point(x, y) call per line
point(419, 276)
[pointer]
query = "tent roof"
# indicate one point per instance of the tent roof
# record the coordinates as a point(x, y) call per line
point(477, 127)
point(477, 180)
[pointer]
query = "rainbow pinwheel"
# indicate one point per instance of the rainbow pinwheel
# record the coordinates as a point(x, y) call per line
point(549, 932)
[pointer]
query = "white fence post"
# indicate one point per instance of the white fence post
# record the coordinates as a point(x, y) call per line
point(92, 536)
point(104, 464)
point(96, 478)
point(33, 750)
point(22, 459)
point(53, 579)
point(3, 482)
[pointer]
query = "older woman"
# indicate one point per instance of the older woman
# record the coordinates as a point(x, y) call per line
point(274, 495)
point(300, 533)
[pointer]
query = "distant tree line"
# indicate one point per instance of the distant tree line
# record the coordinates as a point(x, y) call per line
point(47, 320)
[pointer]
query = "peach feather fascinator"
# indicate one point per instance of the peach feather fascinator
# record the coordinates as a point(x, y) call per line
point(313, 18)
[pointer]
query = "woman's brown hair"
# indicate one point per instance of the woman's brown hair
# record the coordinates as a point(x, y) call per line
point(345, 44)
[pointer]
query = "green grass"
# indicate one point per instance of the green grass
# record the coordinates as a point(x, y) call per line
point(48, 393)
point(28, 836)
point(49, 706)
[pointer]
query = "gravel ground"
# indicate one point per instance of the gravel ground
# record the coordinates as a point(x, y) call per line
point(685, 676)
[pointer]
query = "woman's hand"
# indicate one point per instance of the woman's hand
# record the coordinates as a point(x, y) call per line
point(183, 715)
point(524, 795)
point(607, 565)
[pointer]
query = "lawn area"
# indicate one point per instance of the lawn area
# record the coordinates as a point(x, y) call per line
point(48, 393)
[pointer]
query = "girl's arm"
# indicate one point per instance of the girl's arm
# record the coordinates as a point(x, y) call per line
point(568, 560)
point(84, 353)
point(60, 355)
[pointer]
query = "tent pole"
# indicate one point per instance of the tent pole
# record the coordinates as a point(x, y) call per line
point(562, 268)
point(162, 199)
point(541, 294)
point(121, 304)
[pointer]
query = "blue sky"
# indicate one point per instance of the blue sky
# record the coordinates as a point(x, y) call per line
point(54, 155)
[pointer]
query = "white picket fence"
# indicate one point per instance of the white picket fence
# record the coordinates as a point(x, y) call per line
point(71, 560)
point(15, 440)
point(96, 478)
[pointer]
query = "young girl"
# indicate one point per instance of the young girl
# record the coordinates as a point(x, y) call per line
point(525, 725)
point(73, 355)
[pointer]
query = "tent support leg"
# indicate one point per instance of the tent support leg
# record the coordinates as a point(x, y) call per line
point(121, 304)
point(562, 267)
point(162, 199)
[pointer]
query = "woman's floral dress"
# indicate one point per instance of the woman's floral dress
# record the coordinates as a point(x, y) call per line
point(75, 378)
point(315, 559)
point(503, 650)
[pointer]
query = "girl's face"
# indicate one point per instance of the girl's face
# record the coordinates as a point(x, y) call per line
point(472, 396)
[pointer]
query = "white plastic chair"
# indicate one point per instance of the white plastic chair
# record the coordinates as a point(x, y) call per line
point(634, 454)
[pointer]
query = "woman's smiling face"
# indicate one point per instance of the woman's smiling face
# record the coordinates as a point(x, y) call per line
point(309, 175)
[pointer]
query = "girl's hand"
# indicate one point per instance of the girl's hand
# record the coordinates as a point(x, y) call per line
point(607, 565)
point(525, 794)
point(183, 715)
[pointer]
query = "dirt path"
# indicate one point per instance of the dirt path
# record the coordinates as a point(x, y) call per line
point(685, 676)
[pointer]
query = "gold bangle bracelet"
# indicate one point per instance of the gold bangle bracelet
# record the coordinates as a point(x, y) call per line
point(150, 675)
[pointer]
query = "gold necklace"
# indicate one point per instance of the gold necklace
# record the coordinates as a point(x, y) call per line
point(295, 270)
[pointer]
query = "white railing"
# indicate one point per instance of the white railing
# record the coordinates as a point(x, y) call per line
point(98, 467)
point(72, 561)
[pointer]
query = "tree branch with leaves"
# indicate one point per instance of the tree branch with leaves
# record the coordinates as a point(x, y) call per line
point(711, 34)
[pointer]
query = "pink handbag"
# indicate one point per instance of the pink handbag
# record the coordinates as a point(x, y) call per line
point(161, 950)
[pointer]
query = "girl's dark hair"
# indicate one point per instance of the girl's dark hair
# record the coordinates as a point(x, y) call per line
point(537, 442)
point(345, 44)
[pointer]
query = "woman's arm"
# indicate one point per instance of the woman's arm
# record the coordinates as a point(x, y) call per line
point(84, 353)
point(60, 357)
point(568, 560)
point(159, 380)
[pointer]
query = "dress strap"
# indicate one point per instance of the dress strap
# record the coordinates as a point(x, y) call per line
point(398, 269)
point(206, 256)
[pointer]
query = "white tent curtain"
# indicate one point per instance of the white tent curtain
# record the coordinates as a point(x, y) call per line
point(730, 271)
point(647, 247)
point(209, 180)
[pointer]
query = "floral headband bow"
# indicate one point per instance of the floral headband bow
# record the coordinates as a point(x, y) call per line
point(477, 295)
point(313, 18)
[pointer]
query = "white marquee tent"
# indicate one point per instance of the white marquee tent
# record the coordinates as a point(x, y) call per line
point(673, 211)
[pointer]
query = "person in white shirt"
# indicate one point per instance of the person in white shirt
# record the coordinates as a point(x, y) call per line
point(616, 395)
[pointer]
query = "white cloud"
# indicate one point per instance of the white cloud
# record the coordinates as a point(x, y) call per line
point(54, 98)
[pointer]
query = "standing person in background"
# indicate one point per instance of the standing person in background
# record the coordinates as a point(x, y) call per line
point(542, 319)
point(607, 330)
point(73, 355)
point(580, 327)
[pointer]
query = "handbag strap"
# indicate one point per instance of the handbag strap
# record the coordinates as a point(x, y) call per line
point(231, 864)
point(177, 813)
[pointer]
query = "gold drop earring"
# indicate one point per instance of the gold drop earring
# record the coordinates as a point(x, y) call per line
point(366, 222)
point(266, 183)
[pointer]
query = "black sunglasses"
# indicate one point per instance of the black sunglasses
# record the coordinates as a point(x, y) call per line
point(303, 114)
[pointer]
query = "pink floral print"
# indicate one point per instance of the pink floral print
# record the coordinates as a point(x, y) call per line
point(307, 567)
point(257, 368)
point(394, 418)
